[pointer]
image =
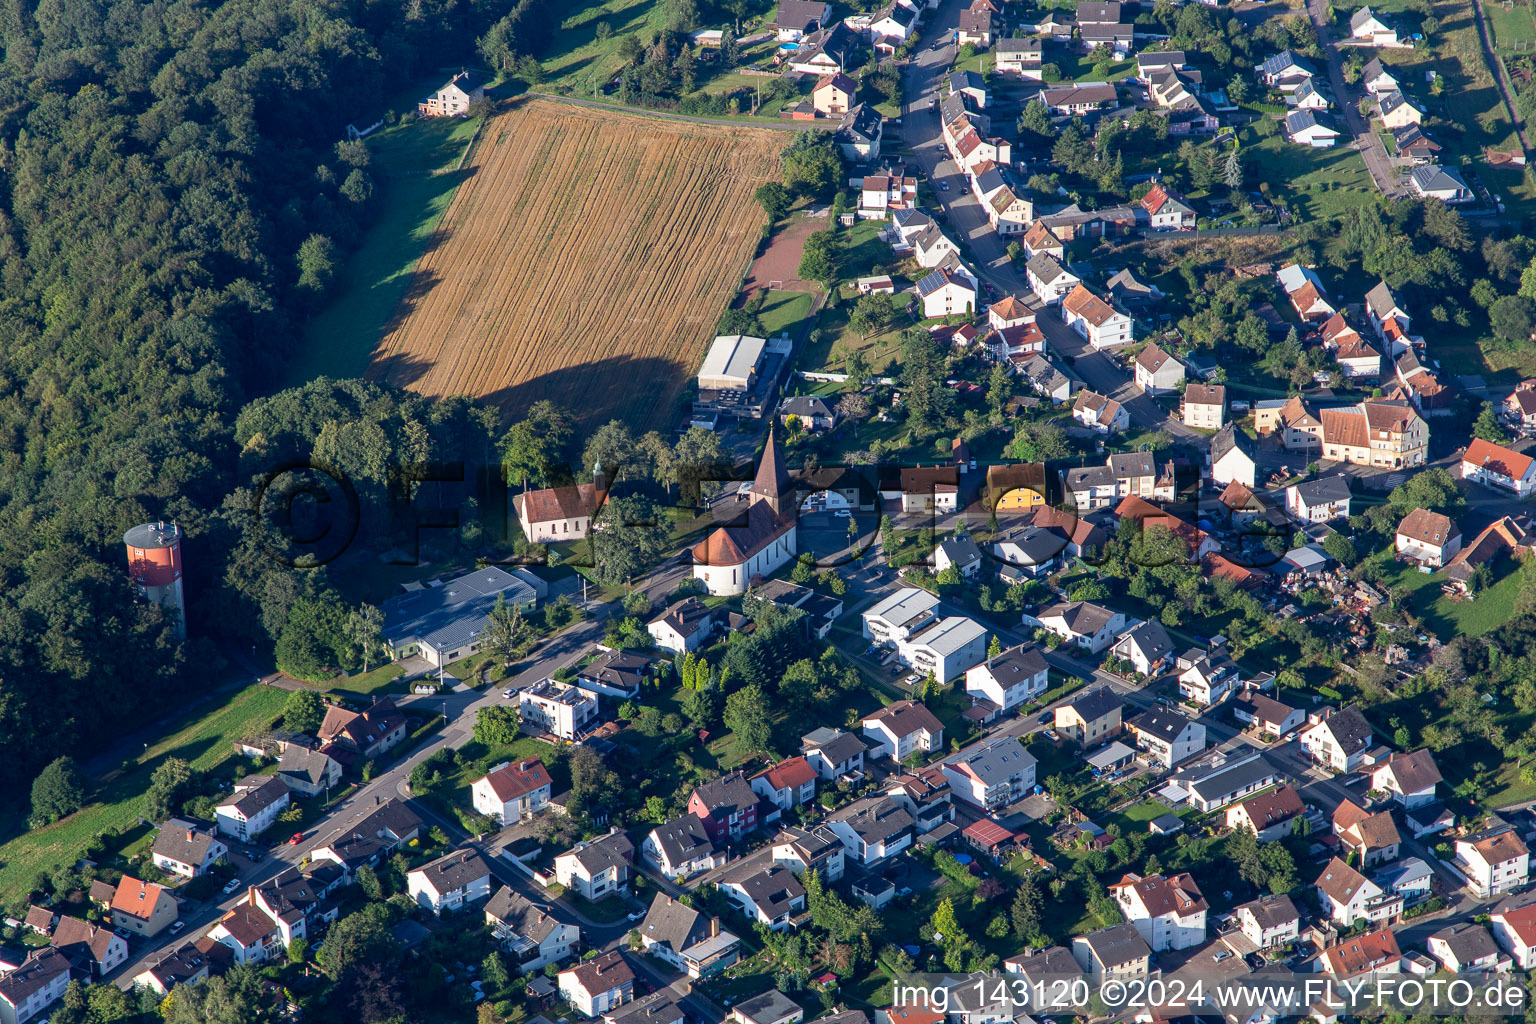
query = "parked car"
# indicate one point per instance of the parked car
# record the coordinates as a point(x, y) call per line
point(177, 927)
point(296, 839)
point(1047, 718)
point(943, 186)
point(638, 915)
point(843, 513)
point(509, 692)
point(234, 884)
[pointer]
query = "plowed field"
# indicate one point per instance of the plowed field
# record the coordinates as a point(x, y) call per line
point(585, 260)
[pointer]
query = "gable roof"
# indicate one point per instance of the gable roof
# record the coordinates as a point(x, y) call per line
point(1082, 302)
point(137, 899)
point(1340, 881)
point(1412, 772)
point(510, 781)
point(1349, 729)
point(1092, 705)
point(1362, 953)
point(905, 717)
point(601, 973)
point(455, 870)
point(1497, 459)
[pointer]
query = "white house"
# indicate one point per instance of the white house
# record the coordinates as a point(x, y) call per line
point(34, 986)
point(1207, 678)
point(253, 805)
point(1104, 415)
point(681, 847)
point(1146, 646)
point(1337, 739)
point(690, 941)
point(873, 830)
point(1269, 921)
point(562, 710)
point(1157, 372)
point(895, 618)
point(1428, 538)
point(453, 97)
point(1493, 465)
point(554, 514)
point(991, 774)
point(1233, 457)
point(770, 896)
point(1048, 279)
point(511, 792)
point(833, 753)
point(901, 729)
point(684, 626)
point(788, 784)
point(1365, 26)
point(452, 881)
point(1377, 80)
point(184, 849)
point(946, 648)
point(1102, 324)
point(599, 985)
point(1169, 913)
point(1466, 947)
point(597, 867)
point(1514, 927)
point(947, 293)
point(1303, 128)
point(1493, 862)
point(1090, 626)
point(1010, 678)
point(1169, 737)
point(1409, 778)
point(1319, 501)
point(757, 544)
point(1347, 896)
point(528, 931)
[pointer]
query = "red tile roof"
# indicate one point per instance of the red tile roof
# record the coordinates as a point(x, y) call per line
point(514, 780)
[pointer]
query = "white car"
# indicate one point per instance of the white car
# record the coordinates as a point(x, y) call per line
point(178, 926)
point(509, 692)
point(843, 513)
point(234, 883)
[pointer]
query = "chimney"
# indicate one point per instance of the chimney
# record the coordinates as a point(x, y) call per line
point(189, 835)
point(250, 895)
point(714, 927)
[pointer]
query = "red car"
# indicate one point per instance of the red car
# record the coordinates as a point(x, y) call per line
point(296, 839)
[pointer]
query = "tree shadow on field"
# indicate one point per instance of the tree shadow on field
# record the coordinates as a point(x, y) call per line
point(631, 388)
point(422, 282)
point(400, 370)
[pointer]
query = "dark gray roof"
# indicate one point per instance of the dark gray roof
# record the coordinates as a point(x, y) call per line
point(453, 614)
point(836, 745)
point(1350, 730)
point(262, 791)
point(673, 924)
point(1227, 438)
point(1152, 639)
point(1323, 490)
point(455, 870)
point(683, 838)
point(656, 1008)
point(959, 80)
point(300, 763)
point(33, 976)
point(1017, 664)
point(774, 888)
point(604, 852)
point(1083, 617)
point(1436, 178)
point(1226, 780)
point(800, 14)
point(1117, 944)
point(805, 405)
point(1094, 704)
point(182, 844)
point(1271, 911)
point(1468, 941)
point(1282, 61)
point(1160, 722)
point(877, 820)
point(525, 918)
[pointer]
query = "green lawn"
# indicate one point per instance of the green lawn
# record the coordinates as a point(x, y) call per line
point(206, 741)
point(410, 200)
point(380, 679)
point(1487, 611)
point(1318, 183)
point(783, 311)
point(1514, 30)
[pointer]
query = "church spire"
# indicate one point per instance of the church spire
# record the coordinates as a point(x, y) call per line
point(772, 483)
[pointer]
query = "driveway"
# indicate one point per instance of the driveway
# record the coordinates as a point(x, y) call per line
point(1371, 148)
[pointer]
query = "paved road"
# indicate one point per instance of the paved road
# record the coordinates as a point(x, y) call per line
point(1371, 148)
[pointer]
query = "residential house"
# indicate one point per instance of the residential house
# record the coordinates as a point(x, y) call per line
point(926, 795)
point(1305, 290)
point(1376, 433)
point(1168, 912)
point(1337, 739)
point(1492, 862)
point(1233, 457)
point(991, 774)
point(1207, 677)
point(93, 949)
point(833, 753)
point(727, 806)
point(1009, 678)
point(184, 966)
point(1375, 952)
point(797, 19)
point(687, 939)
point(143, 908)
point(1319, 500)
point(1020, 57)
point(1146, 646)
point(1435, 181)
point(1377, 80)
point(1307, 97)
point(528, 932)
point(1090, 316)
point(1090, 626)
point(1103, 415)
point(1466, 947)
point(564, 711)
point(1284, 71)
point(771, 1007)
point(976, 27)
point(453, 97)
point(1074, 100)
point(308, 772)
point(945, 292)
point(250, 934)
point(36, 985)
point(788, 784)
point(1157, 372)
point(185, 849)
point(1366, 26)
point(450, 882)
point(1269, 815)
point(924, 489)
point(874, 829)
point(1040, 239)
point(442, 622)
point(1514, 926)
point(613, 673)
point(811, 412)
point(1154, 62)
point(1494, 465)
point(1210, 788)
point(827, 50)
point(511, 792)
point(1166, 735)
point(1266, 715)
point(1372, 838)
point(1204, 406)
point(771, 896)
point(1396, 111)
point(1089, 717)
point(1520, 406)
point(1117, 952)
point(372, 835)
point(907, 611)
point(597, 867)
point(1028, 552)
point(814, 849)
point(1048, 279)
point(684, 626)
point(946, 648)
point(364, 734)
point(1269, 921)
point(1166, 211)
point(681, 847)
point(834, 94)
point(959, 553)
point(594, 987)
point(902, 729)
point(859, 133)
point(1305, 128)
point(1347, 896)
point(1409, 778)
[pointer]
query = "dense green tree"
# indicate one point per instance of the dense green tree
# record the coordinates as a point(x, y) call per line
point(361, 937)
point(533, 449)
point(57, 791)
point(496, 726)
point(630, 534)
point(172, 782)
point(747, 715)
point(303, 711)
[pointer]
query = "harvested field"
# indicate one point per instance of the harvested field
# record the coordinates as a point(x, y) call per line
point(585, 260)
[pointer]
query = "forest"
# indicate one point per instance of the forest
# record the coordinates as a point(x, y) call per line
point(175, 195)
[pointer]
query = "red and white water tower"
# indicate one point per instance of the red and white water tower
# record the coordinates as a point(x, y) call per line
point(154, 562)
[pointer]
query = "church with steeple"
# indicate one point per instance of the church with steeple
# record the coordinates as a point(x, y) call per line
point(758, 542)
